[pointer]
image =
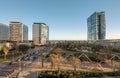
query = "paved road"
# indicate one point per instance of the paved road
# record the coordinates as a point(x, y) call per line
point(31, 75)
point(25, 64)
point(37, 52)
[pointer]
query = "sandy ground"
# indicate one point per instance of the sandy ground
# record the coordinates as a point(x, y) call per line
point(33, 70)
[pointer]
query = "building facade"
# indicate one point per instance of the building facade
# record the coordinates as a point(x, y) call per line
point(40, 33)
point(4, 32)
point(18, 32)
point(96, 26)
point(25, 33)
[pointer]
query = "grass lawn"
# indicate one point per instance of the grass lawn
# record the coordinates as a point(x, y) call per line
point(60, 50)
point(9, 57)
point(92, 56)
point(70, 52)
point(1, 60)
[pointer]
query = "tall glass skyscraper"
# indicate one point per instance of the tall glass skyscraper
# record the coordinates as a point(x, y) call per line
point(4, 32)
point(96, 26)
point(25, 32)
point(40, 33)
point(18, 32)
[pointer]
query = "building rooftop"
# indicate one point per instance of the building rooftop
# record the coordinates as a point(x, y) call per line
point(96, 13)
point(14, 22)
point(39, 23)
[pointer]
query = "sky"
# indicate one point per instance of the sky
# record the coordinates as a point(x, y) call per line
point(67, 19)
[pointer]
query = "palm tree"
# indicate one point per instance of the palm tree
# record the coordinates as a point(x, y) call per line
point(52, 58)
point(75, 62)
point(5, 50)
point(43, 58)
point(56, 60)
point(59, 60)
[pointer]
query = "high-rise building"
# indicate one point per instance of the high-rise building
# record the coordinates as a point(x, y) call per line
point(96, 26)
point(18, 32)
point(40, 33)
point(25, 32)
point(4, 32)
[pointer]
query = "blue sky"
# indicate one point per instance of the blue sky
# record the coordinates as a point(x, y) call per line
point(67, 19)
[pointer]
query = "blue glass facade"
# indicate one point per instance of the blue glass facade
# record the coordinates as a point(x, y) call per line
point(4, 32)
point(96, 26)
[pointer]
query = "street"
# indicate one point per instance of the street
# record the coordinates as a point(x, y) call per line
point(23, 64)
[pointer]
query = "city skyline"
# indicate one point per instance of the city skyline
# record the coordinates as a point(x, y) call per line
point(67, 20)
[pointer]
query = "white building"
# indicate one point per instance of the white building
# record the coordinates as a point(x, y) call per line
point(40, 33)
point(18, 32)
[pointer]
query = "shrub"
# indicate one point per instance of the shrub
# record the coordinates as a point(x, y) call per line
point(79, 74)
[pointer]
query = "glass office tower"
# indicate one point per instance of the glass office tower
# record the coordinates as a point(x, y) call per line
point(40, 33)
point(25, 32)
point(18, 32)
point(4, 32)
point(96, 26)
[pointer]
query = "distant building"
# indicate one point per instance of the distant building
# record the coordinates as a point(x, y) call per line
point(107, 42)
point(4, 32)
point(96, 26)
point(40, 33)
point(25, 33)
point(18, 32)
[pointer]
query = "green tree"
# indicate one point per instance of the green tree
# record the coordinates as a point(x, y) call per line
point(32, 45)
point(23, 48)
point(1, 48)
